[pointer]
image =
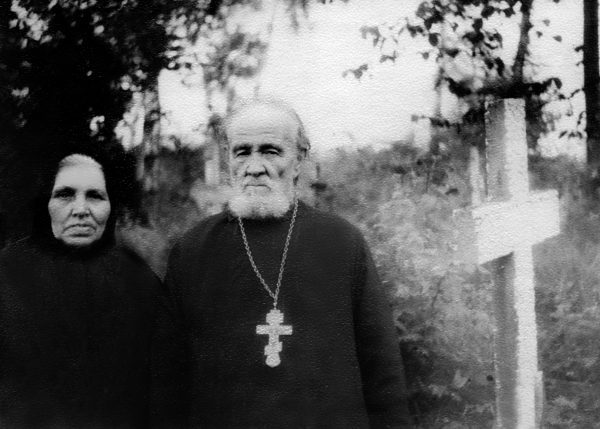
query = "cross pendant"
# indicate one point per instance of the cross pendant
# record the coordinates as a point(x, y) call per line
point(274, 329)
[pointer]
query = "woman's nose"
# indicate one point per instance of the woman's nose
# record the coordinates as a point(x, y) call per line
point(80, 207)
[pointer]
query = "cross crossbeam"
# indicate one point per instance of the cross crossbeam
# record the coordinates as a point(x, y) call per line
point(496, 229)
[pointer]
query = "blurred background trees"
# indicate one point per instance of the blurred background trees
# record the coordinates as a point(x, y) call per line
point(392, 117)
point(591, 84)
point(69, 68)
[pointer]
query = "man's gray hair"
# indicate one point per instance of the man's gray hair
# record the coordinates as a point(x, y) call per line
point(302, 142)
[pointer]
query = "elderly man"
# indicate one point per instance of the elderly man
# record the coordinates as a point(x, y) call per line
point(280, 312)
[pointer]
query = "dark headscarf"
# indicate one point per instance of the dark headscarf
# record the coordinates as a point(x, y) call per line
point(121, 188)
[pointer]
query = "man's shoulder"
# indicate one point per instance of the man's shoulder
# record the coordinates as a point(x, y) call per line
point(332, 224)
point(198, 233)
point(328, 219)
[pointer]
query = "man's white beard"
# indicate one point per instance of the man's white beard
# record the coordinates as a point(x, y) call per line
point(272, 203)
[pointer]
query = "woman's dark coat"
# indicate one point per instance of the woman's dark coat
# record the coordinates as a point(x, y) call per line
point(75, 330)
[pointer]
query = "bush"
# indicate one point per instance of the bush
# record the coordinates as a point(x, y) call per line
point(404, 203)
point(168, 210)
point(567, 270)
point(442, 307)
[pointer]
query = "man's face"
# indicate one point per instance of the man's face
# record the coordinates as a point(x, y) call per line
point(263, 156)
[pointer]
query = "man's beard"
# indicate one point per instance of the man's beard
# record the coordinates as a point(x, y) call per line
point(269, 203)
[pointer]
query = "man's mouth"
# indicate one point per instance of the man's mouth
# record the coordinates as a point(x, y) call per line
point(256, 186)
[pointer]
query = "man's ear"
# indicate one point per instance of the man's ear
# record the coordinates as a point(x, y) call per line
point(302, 154)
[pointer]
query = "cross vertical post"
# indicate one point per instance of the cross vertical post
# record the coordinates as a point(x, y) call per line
point(501, 231)
point(516, 361)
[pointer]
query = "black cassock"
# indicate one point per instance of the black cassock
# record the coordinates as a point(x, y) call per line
point(341, 366)
point(75, 332)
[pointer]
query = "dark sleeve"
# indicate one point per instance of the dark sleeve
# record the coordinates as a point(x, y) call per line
point(169, 363)
point(382, 371)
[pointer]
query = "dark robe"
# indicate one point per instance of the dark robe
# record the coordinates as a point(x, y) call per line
point(75, 336)
point(341, 367)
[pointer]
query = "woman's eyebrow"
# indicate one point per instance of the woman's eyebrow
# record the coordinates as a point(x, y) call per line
point(63, 189)
point(97, 190)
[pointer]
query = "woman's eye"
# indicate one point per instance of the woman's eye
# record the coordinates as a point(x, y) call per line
point(62, 194)
point(95, 195)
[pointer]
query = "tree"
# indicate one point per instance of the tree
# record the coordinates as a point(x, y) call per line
point(467, 50)
point(68, 69)
point(225, 52)
point(591, 84)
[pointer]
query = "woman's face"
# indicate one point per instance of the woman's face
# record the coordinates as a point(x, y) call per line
point(79, 206)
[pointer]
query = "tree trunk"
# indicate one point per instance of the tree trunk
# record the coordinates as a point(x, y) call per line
point(532, 103)
point(5, 16)
point(523, 47)
point(5, 70)
point(264, 61)
point(591, 84)
point(147, 161)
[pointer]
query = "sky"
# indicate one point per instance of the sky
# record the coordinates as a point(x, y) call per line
point(305, 67)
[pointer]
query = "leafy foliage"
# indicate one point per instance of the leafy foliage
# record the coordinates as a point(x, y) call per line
point(67, 70)
point(223, 50)
point(568, 300)
point(443, 308)
point(457, 32)
point(467, 46)
point(170, 210)
point(404, 203)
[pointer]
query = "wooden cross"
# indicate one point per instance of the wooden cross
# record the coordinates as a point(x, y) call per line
point(274, 329)
point(503, 226)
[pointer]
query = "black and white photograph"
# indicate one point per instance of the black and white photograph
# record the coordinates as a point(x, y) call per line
point(311, 214)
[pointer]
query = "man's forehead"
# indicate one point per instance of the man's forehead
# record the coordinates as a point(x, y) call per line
point(263, 119)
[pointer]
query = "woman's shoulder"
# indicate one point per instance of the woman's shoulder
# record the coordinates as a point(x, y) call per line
point(18, 249)
point(131, 257)
point(21, 261)
point(123, 265)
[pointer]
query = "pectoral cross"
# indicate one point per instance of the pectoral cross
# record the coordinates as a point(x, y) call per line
point(274, 329)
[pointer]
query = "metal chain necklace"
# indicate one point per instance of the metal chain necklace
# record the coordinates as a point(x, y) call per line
point(274, 327)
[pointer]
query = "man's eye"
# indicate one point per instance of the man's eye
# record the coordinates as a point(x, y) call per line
point(271, 151)
point(240, 153)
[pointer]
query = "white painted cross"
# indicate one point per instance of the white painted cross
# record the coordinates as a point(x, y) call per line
point(274, 329)
point(502, 230)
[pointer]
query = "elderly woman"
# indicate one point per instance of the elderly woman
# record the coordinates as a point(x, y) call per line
point(76, 311)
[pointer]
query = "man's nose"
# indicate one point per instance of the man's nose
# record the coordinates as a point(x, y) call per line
point(255, 166)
